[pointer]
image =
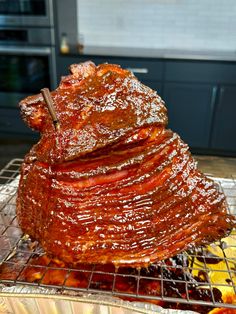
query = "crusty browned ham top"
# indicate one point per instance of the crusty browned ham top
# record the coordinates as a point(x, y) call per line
point(96, 107)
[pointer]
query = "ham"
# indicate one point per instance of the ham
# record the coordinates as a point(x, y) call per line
point(112, 184)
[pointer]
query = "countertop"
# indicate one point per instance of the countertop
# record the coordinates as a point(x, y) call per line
point(214, 55)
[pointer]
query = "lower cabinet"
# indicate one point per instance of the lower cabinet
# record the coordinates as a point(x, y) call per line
point(224, 122)
point(190, 110)
point(12, 123)
point(155, 85)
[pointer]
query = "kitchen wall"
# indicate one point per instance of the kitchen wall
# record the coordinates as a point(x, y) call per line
point(170, 24)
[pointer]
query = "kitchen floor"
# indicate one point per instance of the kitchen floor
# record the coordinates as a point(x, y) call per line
point(216, 166)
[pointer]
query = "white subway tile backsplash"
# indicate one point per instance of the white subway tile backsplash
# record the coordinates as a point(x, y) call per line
point(175, 24)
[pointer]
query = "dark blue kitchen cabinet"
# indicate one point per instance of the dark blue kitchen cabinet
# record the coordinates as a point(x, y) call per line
point(224, 123)
point(201, 101)
point(155, 85)
point(11, 124)
point(190, 111)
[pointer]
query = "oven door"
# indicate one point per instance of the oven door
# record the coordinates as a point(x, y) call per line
point(24, 71)
point(26, 12)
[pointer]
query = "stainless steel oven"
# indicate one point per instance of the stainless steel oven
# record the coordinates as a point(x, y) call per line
point(27, 63)
point(27, 59)
point(26, 12)
point(24, 70)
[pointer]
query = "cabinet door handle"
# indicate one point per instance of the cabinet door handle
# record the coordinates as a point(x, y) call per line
point(42, 51)
point(138, 70)
point(222, 91)
point(213, 97)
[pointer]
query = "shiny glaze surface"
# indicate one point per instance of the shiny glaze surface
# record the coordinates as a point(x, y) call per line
point(112, 185)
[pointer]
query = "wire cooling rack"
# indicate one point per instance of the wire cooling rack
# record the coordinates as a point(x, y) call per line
point(199, 277)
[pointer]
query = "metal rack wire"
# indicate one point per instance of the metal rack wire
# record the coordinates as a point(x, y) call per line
point(192, 278)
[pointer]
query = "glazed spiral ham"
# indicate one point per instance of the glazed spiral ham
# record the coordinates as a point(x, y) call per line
point(112, 184)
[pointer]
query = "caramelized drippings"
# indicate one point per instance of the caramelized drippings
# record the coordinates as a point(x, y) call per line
point(168, 280)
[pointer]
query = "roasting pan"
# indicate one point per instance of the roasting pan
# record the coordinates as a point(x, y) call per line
point(20, 294)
